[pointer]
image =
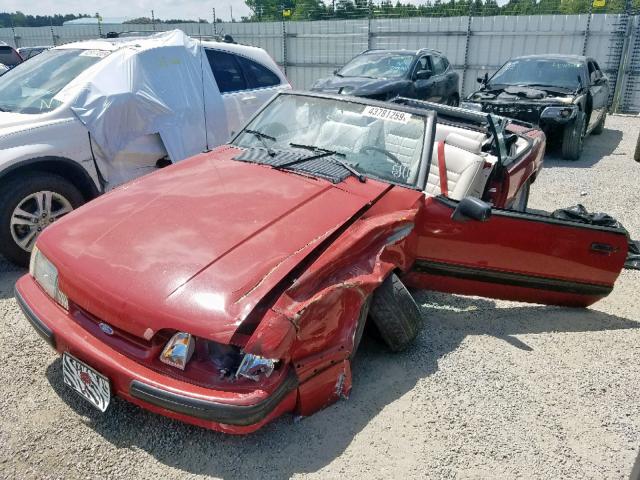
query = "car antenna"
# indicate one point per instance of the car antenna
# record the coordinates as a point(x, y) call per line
point(204, 101)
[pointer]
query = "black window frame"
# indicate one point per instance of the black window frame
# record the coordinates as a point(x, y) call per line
point(248, 75)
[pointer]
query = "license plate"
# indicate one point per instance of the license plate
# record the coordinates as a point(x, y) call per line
point(91, 385)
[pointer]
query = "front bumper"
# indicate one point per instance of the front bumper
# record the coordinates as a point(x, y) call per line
point(226, 411)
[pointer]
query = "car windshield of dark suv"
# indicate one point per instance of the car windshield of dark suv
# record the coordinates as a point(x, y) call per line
point(32, 86)
point(538, 72)
point(343, 136)
point(378, 65)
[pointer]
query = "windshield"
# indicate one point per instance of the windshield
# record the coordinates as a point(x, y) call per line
point(31, 87)
point(378, 65)
point(376, 142)
point(540, 72)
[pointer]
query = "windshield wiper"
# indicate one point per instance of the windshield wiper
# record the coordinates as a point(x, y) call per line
point(327, 153)
point(262, 136)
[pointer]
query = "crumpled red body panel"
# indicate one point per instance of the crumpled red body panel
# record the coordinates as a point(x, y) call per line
point(312, 324)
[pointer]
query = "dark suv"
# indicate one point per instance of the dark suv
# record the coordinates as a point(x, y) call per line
point(566, 95)
point(385, 74)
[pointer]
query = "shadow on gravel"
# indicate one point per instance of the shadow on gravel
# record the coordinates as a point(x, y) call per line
point(596, 147)
point(287, 447)
point(9, 274)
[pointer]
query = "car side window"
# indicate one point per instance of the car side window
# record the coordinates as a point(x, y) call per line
point(424, 63)
point(438, 65)
point(227, 71)
point(257, 75)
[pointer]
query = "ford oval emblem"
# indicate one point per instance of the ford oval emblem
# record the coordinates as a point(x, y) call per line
point(106, 328)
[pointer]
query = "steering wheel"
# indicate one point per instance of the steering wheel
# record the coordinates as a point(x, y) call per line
point(386, 153)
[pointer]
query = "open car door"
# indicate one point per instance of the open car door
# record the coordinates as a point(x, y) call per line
point(515, 256)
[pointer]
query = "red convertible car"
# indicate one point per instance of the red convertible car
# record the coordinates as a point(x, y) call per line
point(235, 286)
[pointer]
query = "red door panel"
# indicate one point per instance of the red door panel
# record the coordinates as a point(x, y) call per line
point(516, 256)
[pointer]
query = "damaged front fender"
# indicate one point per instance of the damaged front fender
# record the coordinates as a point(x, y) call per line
point(312, 324)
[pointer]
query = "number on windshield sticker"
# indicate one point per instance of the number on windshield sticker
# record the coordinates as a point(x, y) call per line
point(387, 114)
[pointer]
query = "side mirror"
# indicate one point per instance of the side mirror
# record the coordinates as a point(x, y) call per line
point(335, 72)
point(423, 74)
point(471, 208)
point(483, 80)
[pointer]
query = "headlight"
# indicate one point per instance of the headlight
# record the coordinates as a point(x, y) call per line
point(46, 274)
point(559, 113)
point(178, 350)
point(252, 366)
point(229, 360)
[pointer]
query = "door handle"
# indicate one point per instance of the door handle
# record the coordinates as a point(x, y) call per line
point(603, 248)
point(249, 99)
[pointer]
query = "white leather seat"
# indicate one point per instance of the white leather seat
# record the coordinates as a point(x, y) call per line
point(349, 132)
point(464, 164)
point(443, 131)
point(405, 142)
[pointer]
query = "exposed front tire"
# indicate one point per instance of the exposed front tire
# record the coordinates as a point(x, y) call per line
point(28, 204)
point(395, 314)
point(573, 138)
point(599, 128)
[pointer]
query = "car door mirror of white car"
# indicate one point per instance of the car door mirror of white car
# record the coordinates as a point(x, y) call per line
point(471, 208)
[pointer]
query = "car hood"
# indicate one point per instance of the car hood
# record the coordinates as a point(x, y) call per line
point(12, 123)
point(196, 246)
point(358, 85)
point(518, 94)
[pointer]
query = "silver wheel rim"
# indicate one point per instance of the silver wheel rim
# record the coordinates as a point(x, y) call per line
point(33, 214)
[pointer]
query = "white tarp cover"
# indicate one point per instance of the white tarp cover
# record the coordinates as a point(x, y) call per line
point(153, 85)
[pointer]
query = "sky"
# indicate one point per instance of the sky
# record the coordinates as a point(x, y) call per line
point(163, 9)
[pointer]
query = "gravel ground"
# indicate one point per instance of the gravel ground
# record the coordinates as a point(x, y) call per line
point(492, 389)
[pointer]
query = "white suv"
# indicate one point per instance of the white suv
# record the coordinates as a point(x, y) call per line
point(57, 153)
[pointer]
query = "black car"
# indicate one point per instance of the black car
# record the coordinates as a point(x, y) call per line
point(386, 74)
point(9, 57)
point(566, 95)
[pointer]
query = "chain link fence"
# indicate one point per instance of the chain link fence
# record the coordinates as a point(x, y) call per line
point(315, 38)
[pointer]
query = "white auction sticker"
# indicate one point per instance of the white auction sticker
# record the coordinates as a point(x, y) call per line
point(95, 53)
point(386, 114)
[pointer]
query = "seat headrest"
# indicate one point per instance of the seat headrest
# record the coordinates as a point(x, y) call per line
point(465, 143)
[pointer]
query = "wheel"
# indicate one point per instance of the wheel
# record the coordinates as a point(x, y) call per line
point(599, 128)
point(453, 100)
point(395, 314)
point(28, 204)
point(573, 138)
point(522, 199)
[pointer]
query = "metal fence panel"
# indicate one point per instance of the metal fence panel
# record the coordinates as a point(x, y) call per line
point(308, 50)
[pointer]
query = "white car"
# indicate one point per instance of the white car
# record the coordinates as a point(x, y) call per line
point(80, 119)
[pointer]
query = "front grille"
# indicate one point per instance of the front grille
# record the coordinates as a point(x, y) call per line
point(528, 113)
